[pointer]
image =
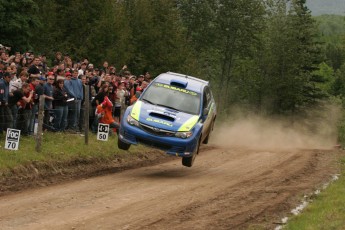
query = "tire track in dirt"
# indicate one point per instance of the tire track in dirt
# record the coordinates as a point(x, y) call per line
point(261, 200)
point(227, 188)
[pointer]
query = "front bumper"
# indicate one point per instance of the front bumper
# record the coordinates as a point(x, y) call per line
point(172, 145)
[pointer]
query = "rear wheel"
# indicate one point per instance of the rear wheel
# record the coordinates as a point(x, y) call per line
point(188, 161)
point(122, 145)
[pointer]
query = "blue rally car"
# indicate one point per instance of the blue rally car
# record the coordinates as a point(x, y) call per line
point(175, 113)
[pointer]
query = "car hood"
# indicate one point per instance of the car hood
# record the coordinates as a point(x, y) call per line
point(162, 117)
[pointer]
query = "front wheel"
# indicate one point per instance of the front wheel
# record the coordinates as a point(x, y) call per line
point(122, 145)
point(188, 161)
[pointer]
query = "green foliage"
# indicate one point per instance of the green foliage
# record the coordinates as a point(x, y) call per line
point(18, 20)
point(332, 29)
point(158, 37)
point(331, 25)
point(263, 55)
point(324, 77)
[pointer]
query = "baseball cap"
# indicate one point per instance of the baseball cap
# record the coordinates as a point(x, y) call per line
point(42, 78)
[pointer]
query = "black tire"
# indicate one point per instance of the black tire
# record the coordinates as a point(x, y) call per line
point(122, 145)
point(188, 161)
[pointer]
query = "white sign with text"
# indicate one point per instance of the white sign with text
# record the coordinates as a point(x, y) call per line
point(103, 132)
point(12, 139)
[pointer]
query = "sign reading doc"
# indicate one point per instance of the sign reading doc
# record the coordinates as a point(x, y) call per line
point(12, 139)
point(103, 132)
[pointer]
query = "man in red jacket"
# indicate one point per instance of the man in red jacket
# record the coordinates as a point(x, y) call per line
point(105, 115)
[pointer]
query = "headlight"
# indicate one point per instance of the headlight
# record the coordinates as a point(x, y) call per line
point(183, 135)
point(132, 121)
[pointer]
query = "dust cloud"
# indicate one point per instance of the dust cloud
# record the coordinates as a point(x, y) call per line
point(317, 132)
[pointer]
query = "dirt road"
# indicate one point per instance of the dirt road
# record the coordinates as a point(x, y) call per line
point(227, 188)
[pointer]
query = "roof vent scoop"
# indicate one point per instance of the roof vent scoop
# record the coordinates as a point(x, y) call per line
point(179, 83)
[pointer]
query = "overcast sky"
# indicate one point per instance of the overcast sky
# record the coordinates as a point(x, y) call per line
point(326, 6)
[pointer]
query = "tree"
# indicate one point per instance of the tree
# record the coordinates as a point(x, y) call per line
point(289, 55)
point(18, 21)
point(223, 32)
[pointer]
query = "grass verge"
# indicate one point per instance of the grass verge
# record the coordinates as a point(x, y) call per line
point(60, 147)
point(327, 211)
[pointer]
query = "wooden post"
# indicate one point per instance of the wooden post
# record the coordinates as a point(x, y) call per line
point(40, 124)
point(86, 114)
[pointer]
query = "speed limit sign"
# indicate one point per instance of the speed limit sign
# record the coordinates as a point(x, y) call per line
point(103, 132)
point(12, 139)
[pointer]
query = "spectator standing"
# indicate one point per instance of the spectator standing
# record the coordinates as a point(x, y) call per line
point(6, 119)
point(92, 95)
point(139, 91)
point(60, 74)
point(43, 63)
point(90, 67)
point(39, 89)
point(147, 77)
point(82, 69)
point(105, 67)
point(74, 88)
point(48, 102)
point(121, 94)
point(82, 107)
point(33, 84)
point(61, 109)
point(16, 85)
point(99, 98)
point(34, 69)
point(58, 59)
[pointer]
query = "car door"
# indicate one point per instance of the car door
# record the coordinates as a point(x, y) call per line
point(206, 111)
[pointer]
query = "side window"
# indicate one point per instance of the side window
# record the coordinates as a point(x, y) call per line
point(207, 97)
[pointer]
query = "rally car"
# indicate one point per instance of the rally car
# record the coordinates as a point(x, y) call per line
point(175, 113)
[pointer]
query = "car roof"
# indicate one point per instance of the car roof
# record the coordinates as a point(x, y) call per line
point(192, 83)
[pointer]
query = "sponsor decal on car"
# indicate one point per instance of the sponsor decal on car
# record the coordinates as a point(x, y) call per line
point(176, 88)
point(189, 124)
point(135, 113)
point(159, 121)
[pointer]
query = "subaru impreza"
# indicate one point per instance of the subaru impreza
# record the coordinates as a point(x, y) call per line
point(175, 113)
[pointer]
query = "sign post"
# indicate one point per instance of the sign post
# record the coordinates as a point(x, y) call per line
point(12, 139)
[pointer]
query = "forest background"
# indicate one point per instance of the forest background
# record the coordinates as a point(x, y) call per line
point(268, 57)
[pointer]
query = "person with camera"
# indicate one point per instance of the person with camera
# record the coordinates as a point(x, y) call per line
point(16, 85)
point(24, 100)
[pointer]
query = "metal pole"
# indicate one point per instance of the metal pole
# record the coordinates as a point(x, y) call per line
point(40, 124)
point(87, 114)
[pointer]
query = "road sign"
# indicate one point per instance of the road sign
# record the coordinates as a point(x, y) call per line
point(12, 139)
point(103, 132)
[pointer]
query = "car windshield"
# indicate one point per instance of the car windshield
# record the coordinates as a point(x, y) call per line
point(173, 97)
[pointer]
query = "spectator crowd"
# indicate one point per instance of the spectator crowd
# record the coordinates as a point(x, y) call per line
point(24, 77)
